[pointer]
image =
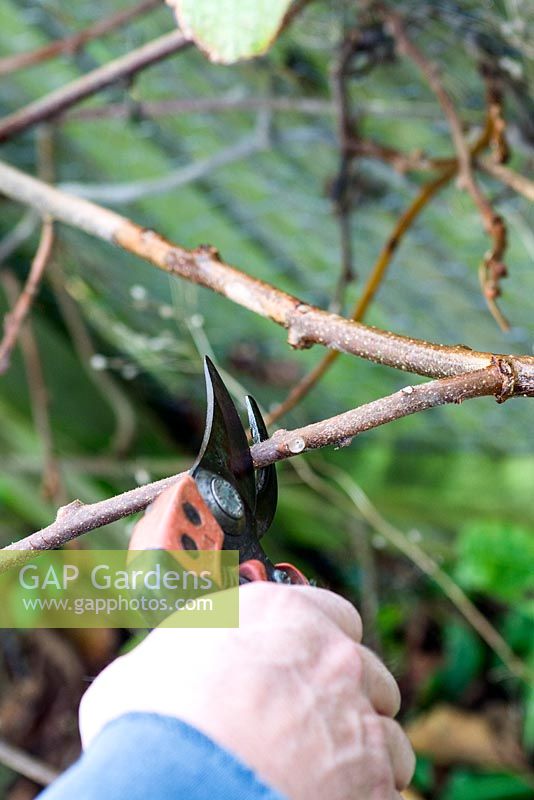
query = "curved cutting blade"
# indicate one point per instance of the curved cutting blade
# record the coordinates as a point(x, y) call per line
point(225, 449)
point(266, 481)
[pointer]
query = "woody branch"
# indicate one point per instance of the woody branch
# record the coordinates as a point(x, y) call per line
point(77, 518)
point(306, 324)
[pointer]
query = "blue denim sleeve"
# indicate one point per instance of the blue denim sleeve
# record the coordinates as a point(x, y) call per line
point(140, 756)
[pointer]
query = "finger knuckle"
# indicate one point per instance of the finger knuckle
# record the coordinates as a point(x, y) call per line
point(351, 659)
point(345, 608)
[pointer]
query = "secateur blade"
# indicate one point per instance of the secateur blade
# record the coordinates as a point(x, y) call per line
point(224, 449)
point(223, 469)
point(266, 481)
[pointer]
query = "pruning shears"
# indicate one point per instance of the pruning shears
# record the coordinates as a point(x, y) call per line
point(221, 503)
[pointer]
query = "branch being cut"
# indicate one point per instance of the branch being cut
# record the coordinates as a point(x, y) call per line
point(14, 319)
point(71, 44)
point(492, 269)
point(66, 96)
point(306, 324)
point(77, 518)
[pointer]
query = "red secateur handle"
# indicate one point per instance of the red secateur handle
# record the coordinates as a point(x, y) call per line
point(179, 519)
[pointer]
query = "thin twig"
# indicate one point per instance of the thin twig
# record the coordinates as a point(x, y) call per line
point(77, 518)
point(400, 161)
point(302, 388)
point(199, 105)
point(30, 767)
point(121, 68)
point(492, 269)
point(418, 162)
point(130, 192)
point(429, 567)
point(19, 234)
point(360, 548)
point(51, 478)
point(71, 44)
point(341, 190)
point(306, 324)
point(519, 183)
point(293, 11)
point(14, 319)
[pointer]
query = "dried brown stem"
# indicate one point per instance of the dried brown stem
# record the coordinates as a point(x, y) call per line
point(306, 324)
point(494, 95)
point(376, 277)
point(341, 190)
point(77, 518)
point(492, 268)
point(292, 12)
point(400, 161)
point(14, 319)
point(304, 386)
point(71, 44)
point(418, 162)
point(121, 68)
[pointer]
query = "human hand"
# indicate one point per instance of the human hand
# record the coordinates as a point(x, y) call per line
point(291, 692)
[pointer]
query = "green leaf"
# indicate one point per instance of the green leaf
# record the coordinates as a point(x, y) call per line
point(424, 777)
point(230, 30)
point(463, 785)
point(464, 655)
point(496, 558)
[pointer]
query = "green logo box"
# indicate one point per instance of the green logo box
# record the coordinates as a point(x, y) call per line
point(119, 589)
